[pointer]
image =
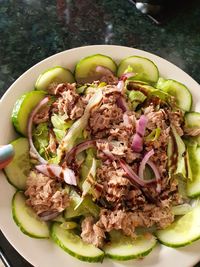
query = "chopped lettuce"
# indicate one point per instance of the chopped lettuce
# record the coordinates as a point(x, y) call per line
point(86, 207)
point(41, 139)
point(136, 98)
point(102, 84)
point(86, 186)
point(86, 166)
point(59, 134)
point(60, 125)
point(161, 94)
point(81, 89)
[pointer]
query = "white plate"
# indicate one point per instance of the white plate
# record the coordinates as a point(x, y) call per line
point(44, 253)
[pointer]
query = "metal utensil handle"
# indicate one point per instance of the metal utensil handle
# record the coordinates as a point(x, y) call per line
point(4, 259)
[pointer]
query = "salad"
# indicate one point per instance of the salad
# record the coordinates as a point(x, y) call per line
point(107, 163)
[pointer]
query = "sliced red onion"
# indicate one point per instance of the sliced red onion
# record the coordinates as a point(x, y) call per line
point(48, 215)
point(121, 103)
point(144, 162)
point(69, 176)
point(132, 175)
point(78, 149)
point(127, 75)
point(53, 170)
point(109, 154)
point(157, 175)
point(141, 125)
point(120, 86)
point(137, 142)
point(103, 70)
point(30, 125)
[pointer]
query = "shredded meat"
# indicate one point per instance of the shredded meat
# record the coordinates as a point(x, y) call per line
point(69, 102)
point(45, 194)
point(192, 131)
point(42, 115)
point(156, 119)
point(176, 119)
point(92, 233)
point(128, 221)
point(105, 116)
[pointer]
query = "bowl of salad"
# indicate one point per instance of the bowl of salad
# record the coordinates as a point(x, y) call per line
point(106, 167)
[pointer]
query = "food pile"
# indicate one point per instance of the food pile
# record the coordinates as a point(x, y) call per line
point(108, 161)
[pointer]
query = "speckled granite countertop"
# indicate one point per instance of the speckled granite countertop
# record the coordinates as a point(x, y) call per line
point(31, 30)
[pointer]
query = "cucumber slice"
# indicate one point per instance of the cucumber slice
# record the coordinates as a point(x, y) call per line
point(193, 187)
point(146, 70)
point(18, 169)
point(178, 90)
point(53, 75)
point(23, 108)
point(86, 67)
point(126, 248)
point(26, 218)
point(183, 231)
point(74, 245)
point(192, 119)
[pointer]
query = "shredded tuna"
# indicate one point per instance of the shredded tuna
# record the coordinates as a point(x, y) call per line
point(45, 194)
point(155, 118)
point(42, 115)
point(129, 221)
point(104, 117)
point(69, 102)
point(176, 119)
point(192, 131)
point(92, 233)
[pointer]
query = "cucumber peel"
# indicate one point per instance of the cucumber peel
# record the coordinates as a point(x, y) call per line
point(192, 119)
point(182, 232)
point(178, 90)
point(126, 248)
point(22, 109)
point(86, 67)
point(18, 169)
point(26, 218)
point(74, 245)
point(193, 187)
point(144, 68)
point(54, 75)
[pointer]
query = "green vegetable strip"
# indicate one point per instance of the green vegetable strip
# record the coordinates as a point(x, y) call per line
point(181, 153)
point(154, 135)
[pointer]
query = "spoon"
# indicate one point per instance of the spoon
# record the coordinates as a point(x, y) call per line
point(6, 155)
